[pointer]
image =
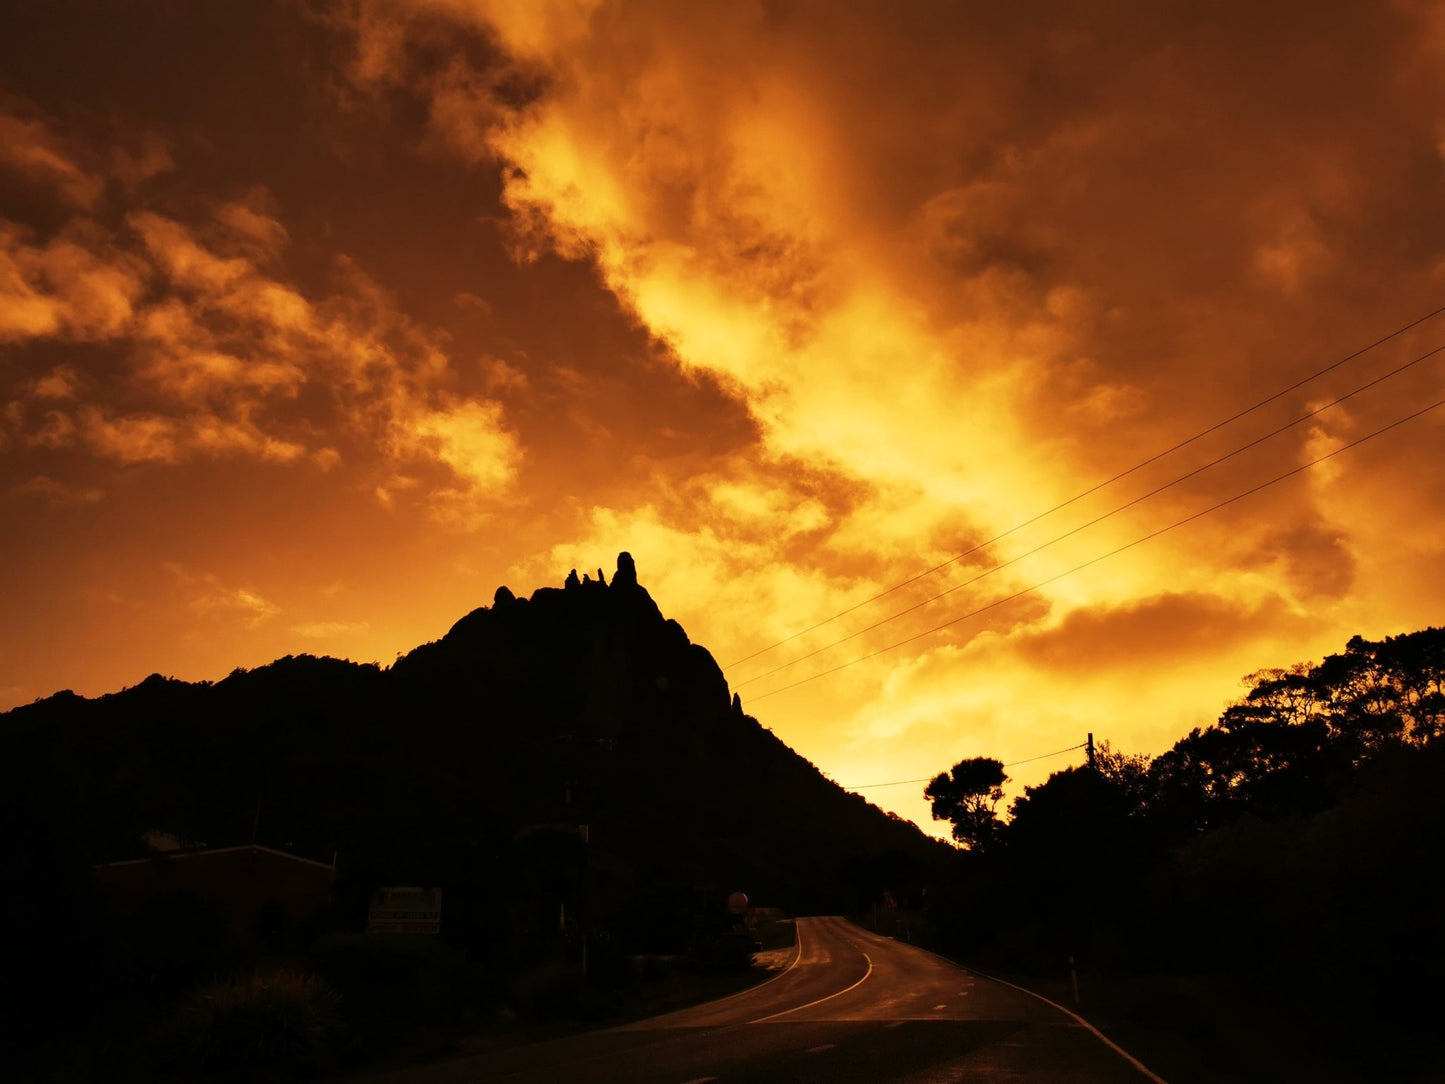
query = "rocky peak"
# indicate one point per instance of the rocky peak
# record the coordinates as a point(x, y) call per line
point(626, 571)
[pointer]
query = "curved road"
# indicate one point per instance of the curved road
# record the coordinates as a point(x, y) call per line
point(852, 1007)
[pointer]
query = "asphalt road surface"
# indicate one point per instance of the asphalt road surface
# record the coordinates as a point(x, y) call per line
point(852, 1007)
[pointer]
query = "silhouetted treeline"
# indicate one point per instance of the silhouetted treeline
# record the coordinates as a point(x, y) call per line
point(1293, 847)
point(471, 764)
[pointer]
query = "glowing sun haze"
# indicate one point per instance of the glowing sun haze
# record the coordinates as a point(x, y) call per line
point(319, 321)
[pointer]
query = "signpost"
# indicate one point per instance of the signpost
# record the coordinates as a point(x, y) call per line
point(399, 909)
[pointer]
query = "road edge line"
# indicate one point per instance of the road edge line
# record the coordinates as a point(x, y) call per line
point(1110, 1043)
point(798, 955)
point(830, 997)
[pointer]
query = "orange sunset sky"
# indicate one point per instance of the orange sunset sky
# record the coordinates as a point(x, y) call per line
point(318, 321)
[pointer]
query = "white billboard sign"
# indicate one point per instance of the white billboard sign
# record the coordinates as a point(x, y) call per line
point(399, 909)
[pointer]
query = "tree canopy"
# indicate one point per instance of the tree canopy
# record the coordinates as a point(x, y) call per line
point(966, 795)
point(1285, 856)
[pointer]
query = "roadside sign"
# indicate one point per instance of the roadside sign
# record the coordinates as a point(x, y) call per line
point(400, 909)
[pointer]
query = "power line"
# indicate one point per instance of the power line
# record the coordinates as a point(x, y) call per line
point(1043, 756)
point(1095, 488)
point(895, 783)
point(931, 778)
point(1097, 519)
point(1117, 550)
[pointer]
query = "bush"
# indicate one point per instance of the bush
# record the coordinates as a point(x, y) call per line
point(391, 982)
point(267, 1025)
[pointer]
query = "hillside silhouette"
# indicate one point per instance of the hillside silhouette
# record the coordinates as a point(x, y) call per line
point(1267, 891)
point(579, 705)
point(567, 767)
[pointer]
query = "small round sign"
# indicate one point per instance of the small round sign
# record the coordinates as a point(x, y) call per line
point(738, 903)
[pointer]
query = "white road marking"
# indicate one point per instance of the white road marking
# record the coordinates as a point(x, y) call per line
point(700, 1080)
point(1110, 1043)
point(797, 956)
point(894, 1024)
point(820, 1049)
point(820, 1000)
point(937, 1007)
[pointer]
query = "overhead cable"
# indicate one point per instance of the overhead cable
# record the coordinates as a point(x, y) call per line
point(1097, 519)
point(931, 778)
point(1100, 485)
point(1117, 550)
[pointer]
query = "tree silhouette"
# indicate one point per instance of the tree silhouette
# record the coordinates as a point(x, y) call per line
point(966, 796)
point(1128, 772)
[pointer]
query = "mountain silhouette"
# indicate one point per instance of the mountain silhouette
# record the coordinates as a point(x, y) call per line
point(570, 750)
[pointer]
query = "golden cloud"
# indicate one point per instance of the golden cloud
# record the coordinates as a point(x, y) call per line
point(59, 383)
point(206, 594)
point(76, 286)
point(57, 492)
point(218, 345)
point(967, 270)
point(128, 439)
point(325, 630)
point(29, 147)
point(468, 437)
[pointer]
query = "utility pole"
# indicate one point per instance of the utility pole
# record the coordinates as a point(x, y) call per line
point(256, 820)
point(1073, 968)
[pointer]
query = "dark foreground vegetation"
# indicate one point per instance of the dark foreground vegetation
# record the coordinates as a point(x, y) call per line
point(568, 770)
point(1263, 901)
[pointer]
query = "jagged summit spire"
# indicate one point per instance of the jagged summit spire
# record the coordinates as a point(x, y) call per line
point(626, 571)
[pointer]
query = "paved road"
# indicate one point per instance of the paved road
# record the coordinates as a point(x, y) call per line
point(852, 1007)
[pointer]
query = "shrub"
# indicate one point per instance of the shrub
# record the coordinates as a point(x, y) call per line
point(265, 1025)
point(390, 979)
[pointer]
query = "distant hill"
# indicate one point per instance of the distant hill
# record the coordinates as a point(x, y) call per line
point(470, 763)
